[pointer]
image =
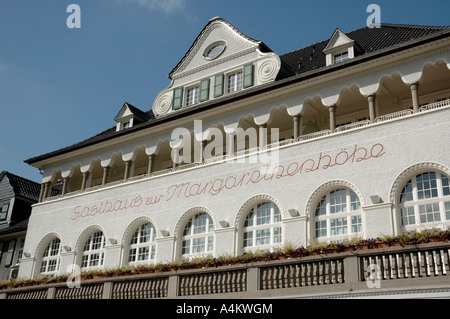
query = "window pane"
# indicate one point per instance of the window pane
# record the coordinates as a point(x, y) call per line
point(248, 239)
point(445, 185)
point(406, 194)
point(322, 207)
point(338, 201)
point(447, 210)
point(408, 216)
point(429, 213)
point(426, 185)
point(321, 228)
point(356, 224)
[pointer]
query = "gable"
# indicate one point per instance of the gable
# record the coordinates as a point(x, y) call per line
point(338, 40)
point(217, 53)
point(6, 190)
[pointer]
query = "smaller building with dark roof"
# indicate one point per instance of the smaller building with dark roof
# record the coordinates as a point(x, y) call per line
point(17, 194)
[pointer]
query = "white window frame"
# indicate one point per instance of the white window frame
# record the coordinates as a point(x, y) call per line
point(192, 95)
point(334, 219)
point(238, 82)
point(414, 201)
point(262, 223)
point(93, 250)
point(197, 238)
point(142, 244)
point(341, 57)
point(51, 258)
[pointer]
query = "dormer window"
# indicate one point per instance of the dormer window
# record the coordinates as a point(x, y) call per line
point(340, 48)
point(129, 116)
point(4, 207)
point(341, 57)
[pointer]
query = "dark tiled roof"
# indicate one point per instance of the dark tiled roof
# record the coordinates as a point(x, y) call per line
point(310, 58)
point(14, 228)
point(368, 40)
point(22, 187)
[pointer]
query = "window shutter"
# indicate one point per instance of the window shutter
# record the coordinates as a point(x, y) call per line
point(177, 98)
point(218, 85)
point(204, 90)
point(4, 211)
point(248, 75)
point(10, 253)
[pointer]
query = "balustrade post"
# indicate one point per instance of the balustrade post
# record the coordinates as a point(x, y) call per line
point(107, 290)
point(351, 270)
point(253, 279)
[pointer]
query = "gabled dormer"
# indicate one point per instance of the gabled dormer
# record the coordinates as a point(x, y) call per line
point(340, 48)
point(129, 116)
point(220, 62)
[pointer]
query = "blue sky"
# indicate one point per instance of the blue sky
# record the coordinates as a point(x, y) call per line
point(59, 86)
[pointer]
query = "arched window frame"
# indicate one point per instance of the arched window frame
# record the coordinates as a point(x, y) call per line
point(93, 251)
point(424, 201)
point(337, 215)
point(51, 258)
point(197, 237)
point(262, 227)
point(142, 245)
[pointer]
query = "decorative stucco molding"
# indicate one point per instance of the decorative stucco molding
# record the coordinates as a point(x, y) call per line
point(252, 202)
point(317, 195)
point(411, 171)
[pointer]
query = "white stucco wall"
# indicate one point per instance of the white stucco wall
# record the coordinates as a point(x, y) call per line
point(395, 146)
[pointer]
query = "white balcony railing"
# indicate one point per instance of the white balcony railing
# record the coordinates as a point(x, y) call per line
point(435, 105)
point(392, 116)
point(351, 126)
point(313, 135)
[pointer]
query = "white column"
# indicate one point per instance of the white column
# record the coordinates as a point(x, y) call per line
point(262, 136)
point(297, 126)
point(332, 110)
point(415, 96)
point(372, 107)
point(151, 159)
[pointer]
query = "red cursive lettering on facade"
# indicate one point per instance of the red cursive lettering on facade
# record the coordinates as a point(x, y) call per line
point(323, 161)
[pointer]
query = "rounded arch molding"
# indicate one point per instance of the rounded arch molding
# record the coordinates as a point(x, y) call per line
point(243, 210)
point(411, 171)
point(326, 187)
point(44, 242)
point(85, 235)
point(133, 225)
point(189, 214)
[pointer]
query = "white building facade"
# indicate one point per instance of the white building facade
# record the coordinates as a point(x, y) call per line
point(340, 139)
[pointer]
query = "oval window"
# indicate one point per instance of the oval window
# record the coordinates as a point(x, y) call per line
point(214, 50)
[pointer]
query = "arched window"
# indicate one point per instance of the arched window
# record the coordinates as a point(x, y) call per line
point(142, 244)
point(425, 201)
point(262, 226)
point(198, 237)
point(51, 259)
point(338, 215)
point(93, 254)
